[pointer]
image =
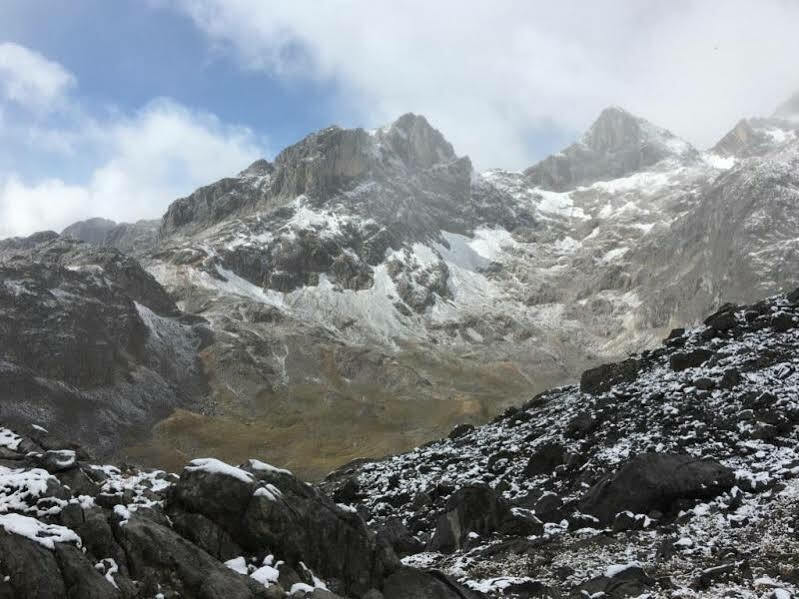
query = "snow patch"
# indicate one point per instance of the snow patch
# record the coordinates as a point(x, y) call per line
point(214, 466)
point(46, 535)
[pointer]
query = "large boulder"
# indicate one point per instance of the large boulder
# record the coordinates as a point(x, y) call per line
point(481, 510)
point(689, 359)
point(655, 481)
point(603, 378)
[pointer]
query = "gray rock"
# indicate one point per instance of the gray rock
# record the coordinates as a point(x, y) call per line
point(654, 482)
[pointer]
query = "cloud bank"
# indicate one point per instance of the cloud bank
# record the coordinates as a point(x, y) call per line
point(494, 75)
point(141, 161)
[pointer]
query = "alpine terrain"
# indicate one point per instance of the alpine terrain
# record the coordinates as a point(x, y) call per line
point(370, 294)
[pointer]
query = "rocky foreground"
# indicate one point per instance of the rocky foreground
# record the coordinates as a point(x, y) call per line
point(671, 474)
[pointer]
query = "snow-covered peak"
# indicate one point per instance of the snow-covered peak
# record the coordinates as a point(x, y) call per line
point(416, 141)
point(618, 130)
point(616, 145)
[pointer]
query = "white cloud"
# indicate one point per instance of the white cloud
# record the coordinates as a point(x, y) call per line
point(31, 80)
point(149, 159)
point(489, 73)
point(25, 209)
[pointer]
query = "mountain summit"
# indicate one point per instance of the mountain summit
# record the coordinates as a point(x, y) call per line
point(617, 144)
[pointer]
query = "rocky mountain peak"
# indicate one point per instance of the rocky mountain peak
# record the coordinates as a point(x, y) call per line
point(416, 142)
point(259, 168)
point(322, 162)
point(614, 129)
point(323, 165)
point(617, 143)
point(92, 230)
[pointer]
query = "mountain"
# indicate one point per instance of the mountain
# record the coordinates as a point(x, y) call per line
point(670, 474)
point(370, 285)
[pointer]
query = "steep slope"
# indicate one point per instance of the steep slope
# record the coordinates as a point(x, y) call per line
point(673, 473)
point(93, 347)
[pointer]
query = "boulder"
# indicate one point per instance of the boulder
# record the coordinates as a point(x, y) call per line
point(689, 359)
point(481, 510)
point(32, 569)
point(723, 319)
point(546, 458)
point(460, 430)
point(397, 535)
point(655, 481)
point(618, 582)
point(603, 378)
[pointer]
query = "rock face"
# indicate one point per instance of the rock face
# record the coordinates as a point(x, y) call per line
point(685, 469)
point(131, 238)
point(92, 345)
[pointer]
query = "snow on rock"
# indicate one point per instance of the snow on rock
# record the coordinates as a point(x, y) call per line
point(266, 575)
point(271, 492)
point(737, 408)
point(44, 534)
point(21, 489)
point(260, 466)
point(214, 466)
point(237, 564)
point(9, 439)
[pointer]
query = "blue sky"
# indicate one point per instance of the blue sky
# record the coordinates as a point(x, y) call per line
point(115, 108)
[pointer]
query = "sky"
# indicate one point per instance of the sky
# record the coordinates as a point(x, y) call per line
point(115, 109)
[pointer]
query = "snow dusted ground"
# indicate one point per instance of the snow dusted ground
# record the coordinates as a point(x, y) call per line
point(727, 392)
point(67, 506)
